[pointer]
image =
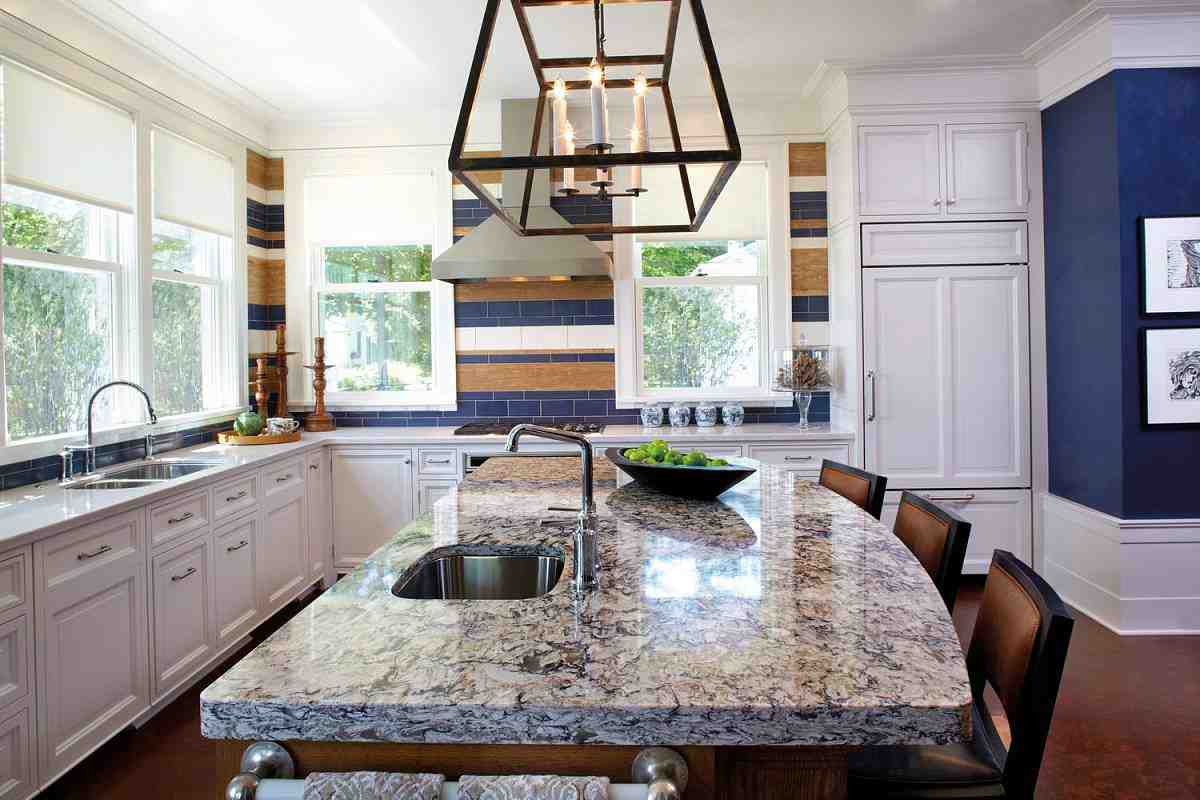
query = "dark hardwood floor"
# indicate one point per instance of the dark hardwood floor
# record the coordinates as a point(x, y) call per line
point(1125, 727)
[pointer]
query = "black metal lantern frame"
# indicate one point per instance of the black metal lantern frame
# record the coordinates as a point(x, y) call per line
point(600, 158)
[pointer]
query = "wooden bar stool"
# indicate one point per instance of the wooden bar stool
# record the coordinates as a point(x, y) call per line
point(1019, 648)
point(864, 489)
point(938, 538)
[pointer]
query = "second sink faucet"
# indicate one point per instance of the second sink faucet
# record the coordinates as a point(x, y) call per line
point(586, 549)
point(89, 449)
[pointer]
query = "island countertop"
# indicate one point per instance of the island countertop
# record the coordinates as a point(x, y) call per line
point(781, 615)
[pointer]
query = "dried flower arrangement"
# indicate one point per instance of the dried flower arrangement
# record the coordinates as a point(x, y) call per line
point(805, 373)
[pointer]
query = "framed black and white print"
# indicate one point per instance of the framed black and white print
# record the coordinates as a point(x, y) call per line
point(1171, 265)
point(1172, 376)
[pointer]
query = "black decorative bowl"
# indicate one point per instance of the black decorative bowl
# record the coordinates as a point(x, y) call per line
point(701, 483)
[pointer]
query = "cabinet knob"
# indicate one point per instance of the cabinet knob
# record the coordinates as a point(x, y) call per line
point(952, 201)
point(937, 202)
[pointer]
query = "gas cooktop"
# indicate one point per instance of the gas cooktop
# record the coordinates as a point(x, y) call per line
point(502, 428)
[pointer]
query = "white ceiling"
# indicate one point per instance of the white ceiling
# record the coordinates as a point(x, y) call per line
point(295, 59)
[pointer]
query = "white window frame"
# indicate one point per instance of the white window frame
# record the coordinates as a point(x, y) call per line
point(133, 304)
point(775, 289)
point(306, 274)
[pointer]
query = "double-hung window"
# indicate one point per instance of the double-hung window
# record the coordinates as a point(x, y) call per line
point(119, 262)
point(67, 197)
point(695, 309)
point(385, 321)
point(191, 274)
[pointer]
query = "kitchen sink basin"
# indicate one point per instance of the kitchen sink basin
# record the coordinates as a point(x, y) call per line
point(147, 474)
point(485, 576)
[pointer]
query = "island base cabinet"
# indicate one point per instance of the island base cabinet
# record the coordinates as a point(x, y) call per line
point(372, 500)
point(92, 650)
point(714, 773)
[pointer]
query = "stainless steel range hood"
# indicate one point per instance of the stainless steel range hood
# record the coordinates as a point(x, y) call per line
point(493, 252)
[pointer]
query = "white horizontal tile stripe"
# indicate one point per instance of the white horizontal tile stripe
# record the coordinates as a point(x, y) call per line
point(463, 193)
point(534, 337)
point(815, 333)
point(254, 251)
point(811, 243)
point(256, 193)
point(808, 183)
point(464, 339)
point(591, 336)
point(498, 338)
point(274, 197)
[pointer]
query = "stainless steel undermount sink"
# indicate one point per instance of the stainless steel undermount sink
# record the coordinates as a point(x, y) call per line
point(146, 474)
point(482, 576)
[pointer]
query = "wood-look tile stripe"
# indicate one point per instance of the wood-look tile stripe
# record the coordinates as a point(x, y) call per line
point(810, 271)
point(507, 377)
point(601, 289)
point(806, 159)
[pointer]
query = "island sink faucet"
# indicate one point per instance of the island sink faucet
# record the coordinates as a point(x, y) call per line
point(89, 449)
point(586, 550)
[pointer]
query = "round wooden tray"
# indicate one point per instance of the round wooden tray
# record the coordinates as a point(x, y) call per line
point(231, 437)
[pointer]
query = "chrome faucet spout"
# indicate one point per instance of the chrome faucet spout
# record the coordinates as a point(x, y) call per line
point(89, 449)
point(586, 546)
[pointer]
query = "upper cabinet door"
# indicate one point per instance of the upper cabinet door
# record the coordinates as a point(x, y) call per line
point(899, 170)
point(986, 169)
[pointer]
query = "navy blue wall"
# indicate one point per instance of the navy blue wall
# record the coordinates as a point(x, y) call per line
point(1121, 148)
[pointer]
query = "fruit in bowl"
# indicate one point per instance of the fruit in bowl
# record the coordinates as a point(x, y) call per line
point(659, 454)
point(248, 424)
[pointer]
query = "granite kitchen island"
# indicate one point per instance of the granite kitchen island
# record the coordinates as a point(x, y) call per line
point(762, 636)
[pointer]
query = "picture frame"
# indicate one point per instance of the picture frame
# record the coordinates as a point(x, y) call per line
point(1170, 265)
point(1170, 377)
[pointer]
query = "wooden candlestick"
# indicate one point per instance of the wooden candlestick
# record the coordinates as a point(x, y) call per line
point(320, 419)
point(281, 369)
point(262, 396)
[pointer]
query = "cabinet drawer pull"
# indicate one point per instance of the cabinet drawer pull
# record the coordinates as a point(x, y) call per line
point(962, 498)
point(313, 467)
point(236, 497)
point(237, 546)
point(101, 550)
point(797, 458)
point(181, 518)
point(189, 572)
point(437, 460)
point(284, 478)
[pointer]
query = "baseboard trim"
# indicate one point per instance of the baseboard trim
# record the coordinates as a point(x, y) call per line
point(1128, 575)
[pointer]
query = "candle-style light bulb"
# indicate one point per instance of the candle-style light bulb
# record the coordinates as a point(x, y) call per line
point(639, 139)
point(599, 104)
point(568, 149)
point(560, 90)
point(562, 126)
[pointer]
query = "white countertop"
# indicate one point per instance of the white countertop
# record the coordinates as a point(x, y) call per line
point(33, 512)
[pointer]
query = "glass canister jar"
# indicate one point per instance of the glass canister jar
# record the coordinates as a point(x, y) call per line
point(652, 415)
point(733, 414)
point(706, 415)
point(681, 415)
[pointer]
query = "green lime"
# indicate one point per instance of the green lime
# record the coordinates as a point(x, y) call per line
point(695, 459)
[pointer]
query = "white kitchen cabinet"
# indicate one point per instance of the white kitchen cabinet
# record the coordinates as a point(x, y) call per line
point(429, 491)
point(182, 611)
point(921, 244)
point(18, 778)
point(15, 660)
point(1000, 520)
point(899, 170)
point(281, 553)
point(986, 169)
point(14, 581)
point(943, 170)
point(372, 500)
point(803, 461)
point(237, 606)
point(92, 652)
point(320, 514)
point(946, 367)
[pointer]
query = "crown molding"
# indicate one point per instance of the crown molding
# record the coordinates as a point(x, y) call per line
point(1096, 12)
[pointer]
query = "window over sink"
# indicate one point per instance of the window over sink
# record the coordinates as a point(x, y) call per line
point(93, 288)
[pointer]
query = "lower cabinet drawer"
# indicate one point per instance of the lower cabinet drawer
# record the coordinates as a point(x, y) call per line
point(1001, 519)
point(174, 519)
point(283, 477)
point(182, 586)
point(70, 556)
point(14, 582)
point(17, 780)
point(15, 663)
point(800, 458)
point(437, 461)
point(235, 496)
point(234, 547)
